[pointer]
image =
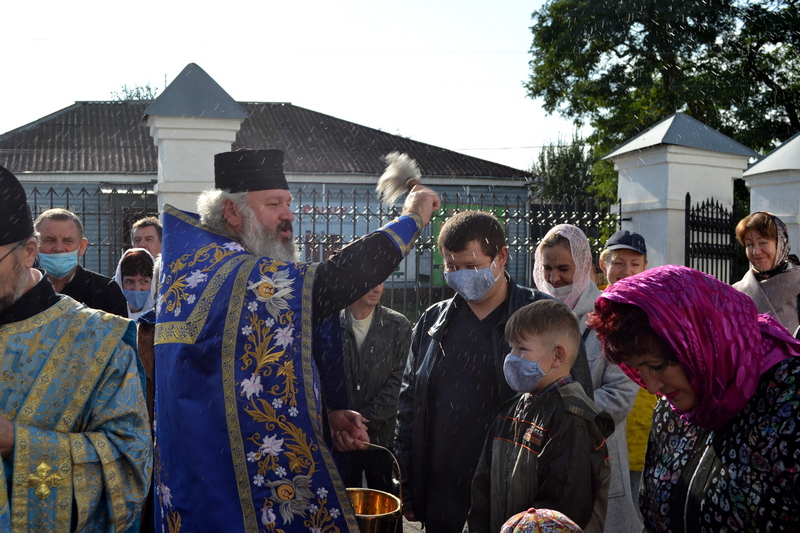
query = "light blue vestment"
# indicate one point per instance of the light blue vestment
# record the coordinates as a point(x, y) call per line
point(72, 383)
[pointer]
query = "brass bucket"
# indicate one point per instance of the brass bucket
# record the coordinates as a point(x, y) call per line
point(378, 511)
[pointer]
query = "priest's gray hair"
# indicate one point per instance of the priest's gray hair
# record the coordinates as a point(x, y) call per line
point(209, 207)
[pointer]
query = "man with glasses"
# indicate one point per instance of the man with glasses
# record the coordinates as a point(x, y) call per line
point(74, 435)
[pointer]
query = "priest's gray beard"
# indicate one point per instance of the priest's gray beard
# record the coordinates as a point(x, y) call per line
point(263, 242)
point(13, 286)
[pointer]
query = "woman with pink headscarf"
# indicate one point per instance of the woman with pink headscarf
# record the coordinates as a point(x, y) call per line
point(563, 269)
point(724, 449)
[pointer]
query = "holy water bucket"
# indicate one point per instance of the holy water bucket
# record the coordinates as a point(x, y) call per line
point(378, 511)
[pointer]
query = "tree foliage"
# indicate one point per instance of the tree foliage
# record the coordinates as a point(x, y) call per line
point(137, 92)
point(621, 66)
point(564, 169)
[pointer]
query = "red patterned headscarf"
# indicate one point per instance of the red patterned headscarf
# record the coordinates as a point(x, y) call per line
point(721, 341)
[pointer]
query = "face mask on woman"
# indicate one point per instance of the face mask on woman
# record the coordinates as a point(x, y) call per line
point(136, 299)
point(59, 265)
point(560, 292)
point(472, 284)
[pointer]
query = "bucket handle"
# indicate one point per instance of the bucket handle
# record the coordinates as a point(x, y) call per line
point(396, 464)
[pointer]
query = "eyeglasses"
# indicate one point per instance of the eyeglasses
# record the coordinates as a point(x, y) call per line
point(17, 245)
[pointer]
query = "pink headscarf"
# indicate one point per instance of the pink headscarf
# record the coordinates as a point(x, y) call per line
point(721, 341)
point(581, 256)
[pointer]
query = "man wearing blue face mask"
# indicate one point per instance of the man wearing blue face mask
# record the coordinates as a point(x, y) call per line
point(61, 245)
point(453, 382)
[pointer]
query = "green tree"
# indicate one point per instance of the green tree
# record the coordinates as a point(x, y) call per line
point(621, 66)
point(565, 169)
point(137, 92)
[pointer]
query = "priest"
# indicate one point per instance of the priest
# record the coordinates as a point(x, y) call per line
point(74, 432)
point(250, 385)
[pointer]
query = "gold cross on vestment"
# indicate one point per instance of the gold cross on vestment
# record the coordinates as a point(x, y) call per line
point(35, 344)
point(42, 481)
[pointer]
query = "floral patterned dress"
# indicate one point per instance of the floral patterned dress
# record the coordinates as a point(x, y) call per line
point(742, 477)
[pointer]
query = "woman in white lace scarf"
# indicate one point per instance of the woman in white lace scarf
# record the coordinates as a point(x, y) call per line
point(773, 282)
point(562, 268)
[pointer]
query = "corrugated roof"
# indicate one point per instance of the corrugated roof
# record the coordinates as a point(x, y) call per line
point(108, 137)
point(682, 130)
point(784, 157)
point(84, 137)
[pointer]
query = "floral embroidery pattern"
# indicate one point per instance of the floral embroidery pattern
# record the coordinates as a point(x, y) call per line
point(281, 458)
point(206, 259)
point(273, 291)
point(164, 497)
point(252, 386)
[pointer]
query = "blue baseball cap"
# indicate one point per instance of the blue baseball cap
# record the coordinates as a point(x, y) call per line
point(627, 240)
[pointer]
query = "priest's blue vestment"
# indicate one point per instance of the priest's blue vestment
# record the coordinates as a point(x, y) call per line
point(241, 367)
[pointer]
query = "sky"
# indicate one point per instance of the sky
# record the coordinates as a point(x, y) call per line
point(444, 72)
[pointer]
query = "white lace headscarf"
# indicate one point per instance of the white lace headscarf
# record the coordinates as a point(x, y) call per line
point(581, 256)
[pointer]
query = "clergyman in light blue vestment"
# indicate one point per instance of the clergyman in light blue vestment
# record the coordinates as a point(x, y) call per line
point(74, 431)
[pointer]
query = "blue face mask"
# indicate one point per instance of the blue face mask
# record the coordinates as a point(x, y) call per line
point(59, 265)
point(523, 375)
point(472, 283)
point(136, 299)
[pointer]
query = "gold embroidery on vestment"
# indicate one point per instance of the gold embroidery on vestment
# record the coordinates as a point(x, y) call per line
point(228, 362)
point(88, 377)
point(112, 478)
point(49, 372)
point(187, 331)
point(43, 480)
point(55, 400)
point(313, 405)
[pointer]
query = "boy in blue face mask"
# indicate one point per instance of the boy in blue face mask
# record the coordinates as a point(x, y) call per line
point(546, 449)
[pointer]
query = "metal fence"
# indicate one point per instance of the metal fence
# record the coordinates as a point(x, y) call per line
point(326, 219)
point(710, 241)
point(107, 213)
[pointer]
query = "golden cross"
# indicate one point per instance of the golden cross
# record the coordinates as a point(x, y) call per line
point(35, 344)
point(42, 481)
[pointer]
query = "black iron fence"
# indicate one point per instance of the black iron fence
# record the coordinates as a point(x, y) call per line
point(107, 211)
point(325, 219)
point(711, 245)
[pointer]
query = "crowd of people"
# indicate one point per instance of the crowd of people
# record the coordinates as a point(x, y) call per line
point(217, 383)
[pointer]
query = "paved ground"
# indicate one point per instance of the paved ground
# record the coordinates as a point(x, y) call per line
point(411, 527)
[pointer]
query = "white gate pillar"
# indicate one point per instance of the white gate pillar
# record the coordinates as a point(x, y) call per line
point(193, 119)
point(659, 166)
point(774, 183)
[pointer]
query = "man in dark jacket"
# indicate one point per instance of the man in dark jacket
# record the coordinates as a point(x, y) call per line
point(453, 382)
point(61, 245)
point(375, 341)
